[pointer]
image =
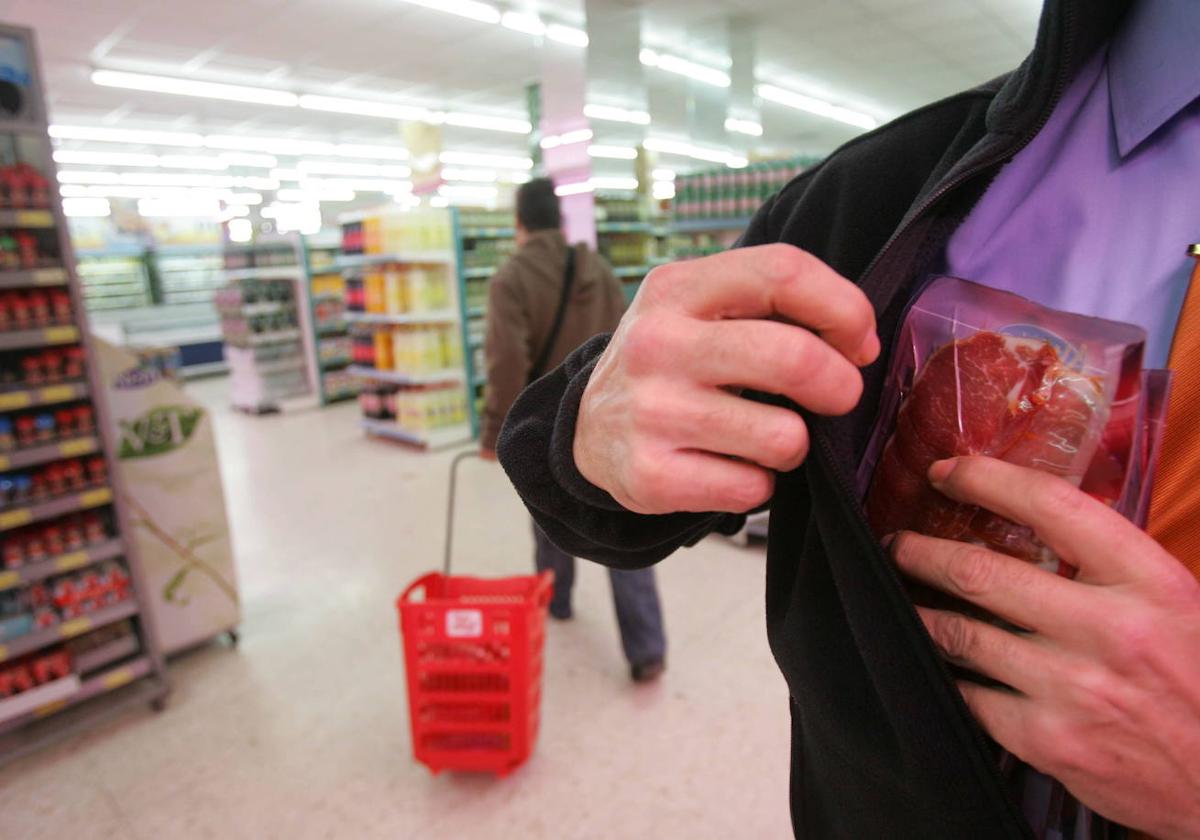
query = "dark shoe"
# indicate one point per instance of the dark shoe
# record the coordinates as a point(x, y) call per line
point(647, 671)
point(561, 613)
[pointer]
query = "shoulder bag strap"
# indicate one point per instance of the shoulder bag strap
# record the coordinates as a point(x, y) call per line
point(539, 366)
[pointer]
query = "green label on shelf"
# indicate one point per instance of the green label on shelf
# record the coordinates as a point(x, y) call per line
point(75, 627)
point(53, 394)
point(159, 430)
point(9, 579)
point(34, 218)
point(77, 447)
point(15, 518)
point(20, 399)
point(60, 335)
point(94, 498)
point(74, 560)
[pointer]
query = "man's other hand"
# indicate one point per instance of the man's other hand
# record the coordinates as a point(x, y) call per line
point(1105, 683)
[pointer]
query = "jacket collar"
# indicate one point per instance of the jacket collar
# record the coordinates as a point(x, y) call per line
point(1153, 71)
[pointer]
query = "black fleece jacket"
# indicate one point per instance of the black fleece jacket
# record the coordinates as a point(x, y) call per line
point(883, 746)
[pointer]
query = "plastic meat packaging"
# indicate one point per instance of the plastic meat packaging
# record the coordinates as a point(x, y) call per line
point(983, 372)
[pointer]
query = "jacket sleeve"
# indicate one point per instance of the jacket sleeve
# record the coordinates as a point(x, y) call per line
point(536, 449)
point(506, 349)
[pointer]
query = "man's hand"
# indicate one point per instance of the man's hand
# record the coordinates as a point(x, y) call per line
point(1106, 683)
point(661, 427)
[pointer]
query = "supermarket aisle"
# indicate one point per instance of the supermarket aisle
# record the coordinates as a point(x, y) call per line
point(302, 732)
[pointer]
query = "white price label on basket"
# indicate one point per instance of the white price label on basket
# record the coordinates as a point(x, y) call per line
point(464, 624)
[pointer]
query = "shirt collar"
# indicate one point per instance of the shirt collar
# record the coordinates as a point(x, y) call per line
point(1153, 70)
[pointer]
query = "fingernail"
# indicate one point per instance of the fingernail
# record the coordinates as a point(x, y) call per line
point(868, 351)
point(940, 471)
point(887, 540)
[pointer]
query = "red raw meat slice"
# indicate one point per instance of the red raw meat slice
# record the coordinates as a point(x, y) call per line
point(989, 394)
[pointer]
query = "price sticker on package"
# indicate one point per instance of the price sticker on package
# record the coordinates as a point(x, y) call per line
point(464, 624)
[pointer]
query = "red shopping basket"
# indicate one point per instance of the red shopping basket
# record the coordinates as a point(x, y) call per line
point(473, 656)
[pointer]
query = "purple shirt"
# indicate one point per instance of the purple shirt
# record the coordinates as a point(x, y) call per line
point(1095, 215)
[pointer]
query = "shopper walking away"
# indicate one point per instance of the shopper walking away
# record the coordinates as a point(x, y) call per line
point(1073, 181)
point(543, 303)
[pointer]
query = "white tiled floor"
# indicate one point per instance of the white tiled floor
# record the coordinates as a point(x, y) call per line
point(302, 731)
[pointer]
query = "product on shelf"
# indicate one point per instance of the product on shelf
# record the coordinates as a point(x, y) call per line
point(37, 427)
point(409, 349)
point(47, 366)
point(37, 484)
point(33, 670)
point(44, 540)
point(339, 384)
point(23, 187)
point(418, 409)
point(732, 193)
point(35, 308)
point(397, 231)
point(48, 603)
point(398, 289)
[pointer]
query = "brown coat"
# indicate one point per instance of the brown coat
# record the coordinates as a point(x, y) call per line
point(522, 301)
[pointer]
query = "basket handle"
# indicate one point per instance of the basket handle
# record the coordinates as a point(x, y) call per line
point(545, 588)
point(419, 583)
point(458, 459)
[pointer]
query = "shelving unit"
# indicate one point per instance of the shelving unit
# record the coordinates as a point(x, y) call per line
point(61, 382)
point(115, 280)
point(486, 241)
point(628, 238)
point(326, 297)
point(406, 312)
point(264, 317)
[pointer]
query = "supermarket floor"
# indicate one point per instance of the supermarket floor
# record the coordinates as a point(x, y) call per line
point(302, 731)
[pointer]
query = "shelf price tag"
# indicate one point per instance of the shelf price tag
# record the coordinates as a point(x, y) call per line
point(49, 277)
point(118, 678)
point(53, 394)
point(67, 562)
point(9, 579)
point(74, 627)
point(4, 462)
point(15, 518)
point(93, 498)
point(34, 218)
point(60, 335)
point(50, 708)
point(76, 447)
point(3, 652)
point(17, 399)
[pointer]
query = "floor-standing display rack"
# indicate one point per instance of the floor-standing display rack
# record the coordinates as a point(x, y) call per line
point(75, 642)
point(407, 319)
point(331, 341)
point(263, 309)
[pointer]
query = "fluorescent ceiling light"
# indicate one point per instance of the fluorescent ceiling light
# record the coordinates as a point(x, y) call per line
point(86, 207)
point(579, 135)
point(324, 195)
point(480, 176)
point(568, 35)
point(613, 152)
point(463, 8)
point(337, 167)
point(365, 108)
point(466, 191)
point(613, 114)
point(122, 135)
point(233, 211)
point(438, 201)
point(271, 145)
point(250, 159)
point(247, 198)
point(683, 67)
point(663, 174)
point(287, 174)
point(676, 147)
point(529, 24)
point(117, 191)
point(359, 150)
point(480, 159)
point(812, 105)
point(488, 123)
point(73, 176)
point(663, 190)
point(240, 230)
point(257, 182)
point(748, 127)
point(578, 188)
point(104, 158)
point(178, 207)
point(359, 184)
point(600, 183)
point(192, 162)
point(193, 87)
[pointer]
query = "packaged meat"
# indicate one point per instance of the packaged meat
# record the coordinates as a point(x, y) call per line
point(983, 372)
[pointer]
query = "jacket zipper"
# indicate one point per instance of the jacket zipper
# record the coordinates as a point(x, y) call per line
point(849, 497)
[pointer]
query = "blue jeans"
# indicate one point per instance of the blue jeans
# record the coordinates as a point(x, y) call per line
point(635, 596)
